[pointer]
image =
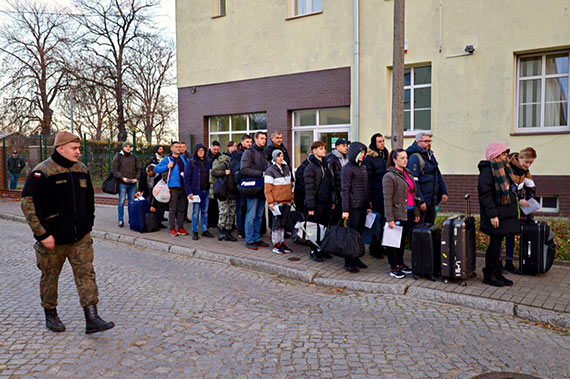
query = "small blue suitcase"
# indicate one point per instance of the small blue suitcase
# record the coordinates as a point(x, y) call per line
point(138, 208)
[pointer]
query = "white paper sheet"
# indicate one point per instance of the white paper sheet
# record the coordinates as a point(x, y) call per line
point(392, 237)
point(195, 199)
point(370, 217)
point(534, 205)
point(275, 210)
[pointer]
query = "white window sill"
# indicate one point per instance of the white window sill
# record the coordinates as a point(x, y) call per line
point(303, 15)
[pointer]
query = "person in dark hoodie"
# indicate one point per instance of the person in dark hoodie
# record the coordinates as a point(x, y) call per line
point(498, 208)
point(276, 143)
point(158, 151)
point(299, 187)
point(241, 202)
point(355, 200)
point(336, 160)
point(376, 161)
point(319, 193)
point(424, 167)
point(197, 183)
point(149, 179)
point(227, 207)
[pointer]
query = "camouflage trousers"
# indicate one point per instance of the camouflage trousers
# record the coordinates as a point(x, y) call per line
point(227, 214)
point(50, 262)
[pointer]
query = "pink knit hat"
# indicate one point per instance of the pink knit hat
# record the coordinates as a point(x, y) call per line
point(495, 149)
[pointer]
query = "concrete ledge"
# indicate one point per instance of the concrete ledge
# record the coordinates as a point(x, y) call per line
point(354, 285)
point(272, 268)
point(181, 250)
point(127, 239)
point(112, 236)
point(543, 315)
point(151, 244)
point(11, 217)
point(215, 257)
point(480, 303)
point(98, 234)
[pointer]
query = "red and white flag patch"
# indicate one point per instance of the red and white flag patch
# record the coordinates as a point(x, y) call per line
point(37, 174)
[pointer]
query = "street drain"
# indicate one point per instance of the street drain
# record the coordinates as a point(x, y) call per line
point(294, 259)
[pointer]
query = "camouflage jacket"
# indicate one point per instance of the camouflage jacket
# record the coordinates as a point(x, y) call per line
point(58, 200)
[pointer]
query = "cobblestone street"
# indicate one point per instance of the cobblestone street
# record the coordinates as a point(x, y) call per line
point(182, 317)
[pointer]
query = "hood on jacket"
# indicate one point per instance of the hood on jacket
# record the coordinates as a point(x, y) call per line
point(199, 146)
point(414, 148)
point(354, 149)
point(338, 154)
point(483, 164)
point(155, 148)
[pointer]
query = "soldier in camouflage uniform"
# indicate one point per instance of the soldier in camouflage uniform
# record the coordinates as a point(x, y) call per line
point(58, 202)
point(227, 208)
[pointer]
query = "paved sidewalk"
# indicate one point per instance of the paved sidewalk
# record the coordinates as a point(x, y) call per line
point(543, 298)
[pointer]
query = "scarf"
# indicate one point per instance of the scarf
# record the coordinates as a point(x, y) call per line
point(501, 177)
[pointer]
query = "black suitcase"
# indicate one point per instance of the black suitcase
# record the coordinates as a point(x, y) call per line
point(458, 254)
point(537, 248)
point(426, 250)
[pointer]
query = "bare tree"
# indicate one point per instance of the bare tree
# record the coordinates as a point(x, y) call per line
point(111, 27)
point(152, 62)
point(33, 42)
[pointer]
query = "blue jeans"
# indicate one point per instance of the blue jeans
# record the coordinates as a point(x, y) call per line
point(126, 190)
point(255, 208)
point(509, 248)
point(14, 180)
point(239, 215)
point(200, 210)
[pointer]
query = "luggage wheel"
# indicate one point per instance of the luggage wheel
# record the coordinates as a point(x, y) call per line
point(463, 283)
point(473, 274)
point(432, 278)
point(414, 276)
point(446, 281)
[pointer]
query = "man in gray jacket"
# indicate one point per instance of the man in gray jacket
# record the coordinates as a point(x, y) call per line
point(126, 168)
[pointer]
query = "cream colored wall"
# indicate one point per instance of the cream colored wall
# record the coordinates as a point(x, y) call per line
point(255, 40)
point(473, 96)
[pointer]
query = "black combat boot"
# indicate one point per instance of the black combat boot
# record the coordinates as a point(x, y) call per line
point(53, 322)
point(94, 323)
point(510, 267)
point(491, 279)
point(229, 236)
point(221, 234)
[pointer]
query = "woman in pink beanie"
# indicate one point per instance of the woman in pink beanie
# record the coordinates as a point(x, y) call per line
point(498, 206)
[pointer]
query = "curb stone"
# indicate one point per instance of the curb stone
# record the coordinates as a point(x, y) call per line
point(497, 306)
point(354, 285)
point(542, 315)
point(484, 304)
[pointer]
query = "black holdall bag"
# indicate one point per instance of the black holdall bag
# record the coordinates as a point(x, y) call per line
point(251, 187)
point(110, 185)
point(220, 188)
point(343, 242)
point(151, 223)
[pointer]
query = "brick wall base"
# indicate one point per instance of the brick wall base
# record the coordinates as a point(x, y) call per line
point(459, 185)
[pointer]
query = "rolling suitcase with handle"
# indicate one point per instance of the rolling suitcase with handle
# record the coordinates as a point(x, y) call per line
point(537, 248)
point(458, 257)
point(138, 208)
point(426, 250)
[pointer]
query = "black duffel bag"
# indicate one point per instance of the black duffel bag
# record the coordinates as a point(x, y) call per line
point(251, 187)
point(343, 242)
point(110, 185)
point(220, 188)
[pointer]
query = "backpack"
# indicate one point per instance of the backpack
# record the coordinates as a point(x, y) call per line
point(422, 162)
point(236, 171)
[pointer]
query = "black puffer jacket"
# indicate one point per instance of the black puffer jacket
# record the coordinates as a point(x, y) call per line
point(319, 184)
point(489, 208)
point(376, 162)
point(335, 165)
point(253, 164)
point(299, 188)
point(354, 180)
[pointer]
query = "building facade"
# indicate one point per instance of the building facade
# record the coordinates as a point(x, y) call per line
point(476, 72)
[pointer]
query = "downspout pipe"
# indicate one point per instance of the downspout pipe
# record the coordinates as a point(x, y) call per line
point(356, 77)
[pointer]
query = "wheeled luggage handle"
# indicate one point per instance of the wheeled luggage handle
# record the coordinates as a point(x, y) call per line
point(468, 210)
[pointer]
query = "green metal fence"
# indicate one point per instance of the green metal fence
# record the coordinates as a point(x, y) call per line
point(97, 155)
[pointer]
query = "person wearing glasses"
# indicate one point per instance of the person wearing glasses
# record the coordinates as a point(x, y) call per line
point(498, 207)
point(425, 169)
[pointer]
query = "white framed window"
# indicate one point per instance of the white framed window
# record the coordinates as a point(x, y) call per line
point(311, 125)
point(417, 99)
point(542, 92)
point(227, 128)
point(218, 8)
point(549, 204)
point(304, 7)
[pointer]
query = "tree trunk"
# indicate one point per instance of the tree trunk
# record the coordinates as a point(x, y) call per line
point(398, 76)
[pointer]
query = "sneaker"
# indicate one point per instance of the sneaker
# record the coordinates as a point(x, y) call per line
point(195, 236)
point(182, 232)
point(260, 243)
point(251, 245)
point(398, 274)
point(315, 256)
point(121, 224)
point(285, 248)
point(241, 234)
point(277, 249)
point(173, 233)
point(207, 234)
point(405, 269)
